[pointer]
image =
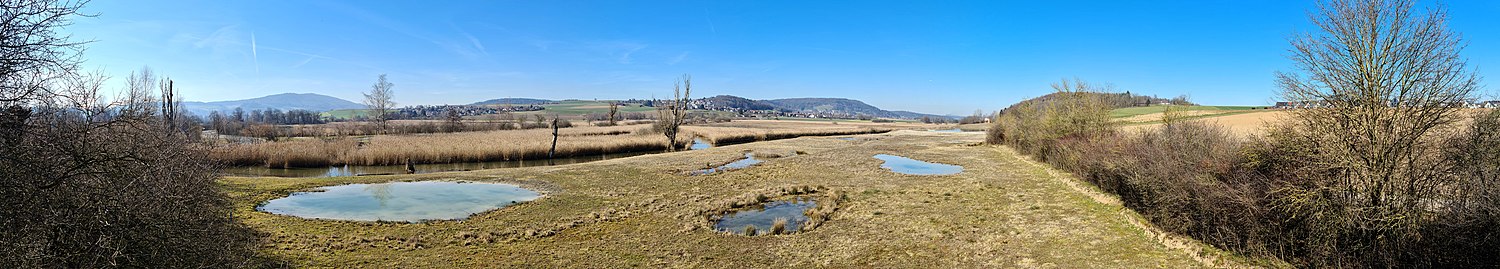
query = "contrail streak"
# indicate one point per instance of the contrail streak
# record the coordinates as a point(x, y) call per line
point(254, 53)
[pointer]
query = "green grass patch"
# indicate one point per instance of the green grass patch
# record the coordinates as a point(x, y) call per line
point(580, 107)
point(347, 113)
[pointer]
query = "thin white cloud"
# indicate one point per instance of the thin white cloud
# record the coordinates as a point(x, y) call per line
point(477, 45)
point(620, 51)
point(678, 58)
point(303, 62)
point(470, 48)
point(711, 28)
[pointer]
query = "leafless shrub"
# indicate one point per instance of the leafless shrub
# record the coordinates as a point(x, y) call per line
point(1390, 83)
point(1077, 110)
point(93, 183)
point(91, 188)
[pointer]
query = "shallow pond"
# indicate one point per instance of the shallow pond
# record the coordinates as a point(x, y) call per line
point(399, 201)
point(699, 144)
point(740, 164)
point(954, 130)
point(765, 215)
point(355, 170)
point(910, 166)
point(846, 138)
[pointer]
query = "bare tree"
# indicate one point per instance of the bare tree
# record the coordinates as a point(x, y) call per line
point(1389, 80)
point(614, 111)
point(671, 113)
point(171, 105)
point(378, 101)
point(139, 98)
point(32, 51)
point(455, 120)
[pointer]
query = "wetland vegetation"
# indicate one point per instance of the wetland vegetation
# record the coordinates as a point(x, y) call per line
point(1380, 157)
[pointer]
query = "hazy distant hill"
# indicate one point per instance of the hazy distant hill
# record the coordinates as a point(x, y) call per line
point(739, 102)
point(285, 101)
point(820, 105)
point(513, 101)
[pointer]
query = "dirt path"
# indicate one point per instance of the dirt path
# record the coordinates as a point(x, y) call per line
point(642, 212)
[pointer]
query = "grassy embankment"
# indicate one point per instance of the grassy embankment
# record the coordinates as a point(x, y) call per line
point(643, 212)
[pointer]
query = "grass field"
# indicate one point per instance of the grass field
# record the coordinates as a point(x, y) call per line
point(1153, 114)
point(1002, 211)
point(1136, 111)
point(1244, 123)
point(346, 113)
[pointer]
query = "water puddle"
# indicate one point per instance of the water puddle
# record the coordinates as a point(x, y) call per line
point(367, 170)
point(400, 201)
point(765, 217)
point(740, 164)
point(910, 166)
point(954, 130)
point(699, 144)
point(846, 138)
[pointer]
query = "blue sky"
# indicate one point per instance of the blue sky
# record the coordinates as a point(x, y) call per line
point(942, 57)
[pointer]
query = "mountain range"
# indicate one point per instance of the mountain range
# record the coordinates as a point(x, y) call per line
point(285, 101)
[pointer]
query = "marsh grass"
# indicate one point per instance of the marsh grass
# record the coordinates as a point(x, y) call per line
point(504, 145)
point(727, 135)
point(439, 148)
point(661, 210)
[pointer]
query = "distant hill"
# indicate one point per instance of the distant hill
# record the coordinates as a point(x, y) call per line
point(513, 101)
point(813, 105)
point(285, 101)
point(1113, 100)
point(739, 102)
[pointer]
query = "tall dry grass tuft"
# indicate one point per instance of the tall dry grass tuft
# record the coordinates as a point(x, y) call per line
point(778, 226)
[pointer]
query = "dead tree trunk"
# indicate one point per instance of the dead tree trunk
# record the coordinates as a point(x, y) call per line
point(552, 151)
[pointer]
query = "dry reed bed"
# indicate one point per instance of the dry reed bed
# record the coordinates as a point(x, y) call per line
point(507, 145)
point(442, 148)
point(727, 134)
